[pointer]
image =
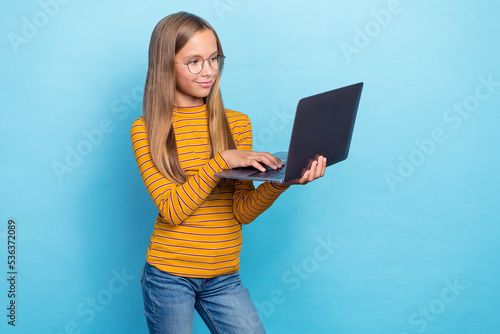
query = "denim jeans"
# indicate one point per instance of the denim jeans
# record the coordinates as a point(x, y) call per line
point(222, 302)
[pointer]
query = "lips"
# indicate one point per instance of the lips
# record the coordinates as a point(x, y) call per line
point(205, 84)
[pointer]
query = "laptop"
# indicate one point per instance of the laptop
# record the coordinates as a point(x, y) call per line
point(323, 125)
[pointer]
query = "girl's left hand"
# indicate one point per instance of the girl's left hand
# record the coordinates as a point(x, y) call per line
point(317, 170)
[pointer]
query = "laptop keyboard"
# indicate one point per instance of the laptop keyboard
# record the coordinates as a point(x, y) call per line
point(269, 172)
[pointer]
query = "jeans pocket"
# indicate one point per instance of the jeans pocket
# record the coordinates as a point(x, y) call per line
point(142, 275)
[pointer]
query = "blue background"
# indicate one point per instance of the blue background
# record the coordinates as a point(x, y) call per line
point(410, 220)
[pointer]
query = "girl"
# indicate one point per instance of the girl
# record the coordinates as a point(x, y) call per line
point(183, 139)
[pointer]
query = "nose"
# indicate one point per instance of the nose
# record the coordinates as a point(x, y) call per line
point(207, 70)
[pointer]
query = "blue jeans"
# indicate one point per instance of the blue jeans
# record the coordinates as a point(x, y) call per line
point(222, 302)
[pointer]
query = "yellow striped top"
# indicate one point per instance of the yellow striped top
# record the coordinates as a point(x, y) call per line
point(198, 229)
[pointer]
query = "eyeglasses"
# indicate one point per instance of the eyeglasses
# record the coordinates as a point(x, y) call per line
point(195, 64)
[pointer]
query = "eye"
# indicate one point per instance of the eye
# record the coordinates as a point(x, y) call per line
point(214, 58)
point(193, 61)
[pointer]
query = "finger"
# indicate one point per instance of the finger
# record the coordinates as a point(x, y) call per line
point(277, 161)
point(319, 167)
point(313, 170)
point(304, 179)
point(320, 170)
point(324, 167)
point(280, 162)
point(271, 161)
point(257, 165)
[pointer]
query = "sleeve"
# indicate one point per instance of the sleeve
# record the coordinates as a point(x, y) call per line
point(248, 202)
point(174, 202)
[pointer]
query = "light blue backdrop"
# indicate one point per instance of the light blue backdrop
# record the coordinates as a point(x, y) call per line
point(402, 237)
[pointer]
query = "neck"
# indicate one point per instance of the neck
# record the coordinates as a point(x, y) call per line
point(185, 102)
point(187, 107)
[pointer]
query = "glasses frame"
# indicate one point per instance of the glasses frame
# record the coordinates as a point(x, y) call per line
point(203, 63)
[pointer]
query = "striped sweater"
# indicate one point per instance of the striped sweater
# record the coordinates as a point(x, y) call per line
point(198, 229)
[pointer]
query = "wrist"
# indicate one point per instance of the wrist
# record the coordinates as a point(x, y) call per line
point(224, 160)
point(283, 186)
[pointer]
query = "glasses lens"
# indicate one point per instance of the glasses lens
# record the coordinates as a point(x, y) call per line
point(195, 65)
point(220, 62)
point(216, 62)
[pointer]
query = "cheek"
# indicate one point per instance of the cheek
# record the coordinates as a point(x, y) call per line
point(181, 77)
point(181, 81)
point(178, 78)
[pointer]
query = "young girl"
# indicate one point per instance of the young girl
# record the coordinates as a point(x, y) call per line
point(183, 139)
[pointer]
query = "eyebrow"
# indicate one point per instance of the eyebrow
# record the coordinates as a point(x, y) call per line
point(197, 54)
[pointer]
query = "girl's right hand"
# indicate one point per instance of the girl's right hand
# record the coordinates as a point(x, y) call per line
point(242, 158)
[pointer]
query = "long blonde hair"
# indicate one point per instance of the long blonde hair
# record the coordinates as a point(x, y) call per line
point(169, 37)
